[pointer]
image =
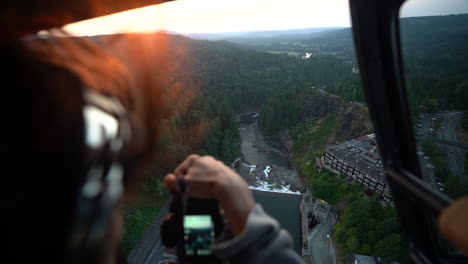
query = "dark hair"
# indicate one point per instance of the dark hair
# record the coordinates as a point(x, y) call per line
point(43, 158)
point(45, 146)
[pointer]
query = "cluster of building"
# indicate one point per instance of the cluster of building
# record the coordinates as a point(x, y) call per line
point(359, 161)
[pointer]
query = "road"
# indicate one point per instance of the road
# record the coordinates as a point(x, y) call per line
point(426, 166)
point(322, 249)
point(446, 131)
point(455, 155)
point(425, 122)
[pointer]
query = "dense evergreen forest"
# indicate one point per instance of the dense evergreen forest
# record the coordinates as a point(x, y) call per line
point(366, 226)
point(207, 85)
point(210, 82)
point(225, 79)
point(436, 61)
point(434, 51)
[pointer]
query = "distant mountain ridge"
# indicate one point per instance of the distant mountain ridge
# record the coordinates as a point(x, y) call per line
point(257, 33)
point(434, 48)
point(413, 29)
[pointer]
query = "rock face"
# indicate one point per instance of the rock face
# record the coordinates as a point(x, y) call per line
point(352, 118)
point(353, 122)
point(319, 104)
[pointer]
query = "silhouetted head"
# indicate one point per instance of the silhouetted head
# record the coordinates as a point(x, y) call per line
point(47, 159)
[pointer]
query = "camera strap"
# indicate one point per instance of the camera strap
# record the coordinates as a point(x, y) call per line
point(183, 194)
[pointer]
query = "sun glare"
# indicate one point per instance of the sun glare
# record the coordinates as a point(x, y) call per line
point(205, 16)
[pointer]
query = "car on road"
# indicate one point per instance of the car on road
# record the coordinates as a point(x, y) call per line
point(443, 128)
point(451, 151)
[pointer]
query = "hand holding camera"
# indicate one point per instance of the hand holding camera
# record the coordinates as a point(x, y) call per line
point(208, 182)
point(209, 178)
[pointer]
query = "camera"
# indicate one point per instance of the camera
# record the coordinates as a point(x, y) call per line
point(192, 227)
point(201, 224)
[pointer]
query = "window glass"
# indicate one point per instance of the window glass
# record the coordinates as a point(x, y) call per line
point(271, 88)
point(434, 39)
point(434, 51)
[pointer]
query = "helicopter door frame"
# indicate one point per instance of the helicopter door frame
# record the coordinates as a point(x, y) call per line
point(375, 25)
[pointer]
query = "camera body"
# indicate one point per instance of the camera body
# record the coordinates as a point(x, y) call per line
point(201, 224)
point(192, 227)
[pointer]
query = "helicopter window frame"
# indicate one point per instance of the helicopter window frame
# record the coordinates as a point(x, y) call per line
point(376, 32)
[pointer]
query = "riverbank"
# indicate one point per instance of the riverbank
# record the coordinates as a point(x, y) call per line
point(261, 165)
point(273, 181)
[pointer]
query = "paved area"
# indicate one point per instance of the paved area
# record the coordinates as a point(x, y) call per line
point(428, 171)
point(447, 130)
point(322, 250)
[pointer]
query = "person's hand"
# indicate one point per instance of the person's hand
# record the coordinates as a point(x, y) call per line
point(209, 178)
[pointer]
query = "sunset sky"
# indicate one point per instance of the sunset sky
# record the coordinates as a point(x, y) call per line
point(202, 16)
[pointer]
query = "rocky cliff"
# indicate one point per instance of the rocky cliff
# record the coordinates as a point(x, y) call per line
point(344, 121)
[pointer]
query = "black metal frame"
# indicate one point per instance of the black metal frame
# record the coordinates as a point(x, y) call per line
point(38, 15)
point(377, 40)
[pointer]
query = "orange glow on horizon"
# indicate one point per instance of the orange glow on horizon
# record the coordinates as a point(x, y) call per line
point(206, 16)
point(211, 16)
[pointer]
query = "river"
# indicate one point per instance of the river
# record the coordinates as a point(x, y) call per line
point(253, 145)
point(261, 166)
point(276, 188)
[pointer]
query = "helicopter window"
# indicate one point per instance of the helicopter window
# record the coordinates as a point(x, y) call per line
point(273, 88)
point(434, 55)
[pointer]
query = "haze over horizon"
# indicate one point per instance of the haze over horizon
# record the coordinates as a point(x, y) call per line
point(219, 16)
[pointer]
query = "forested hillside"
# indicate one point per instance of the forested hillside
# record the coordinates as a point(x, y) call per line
point(436, 61)
point(434, 51)
point(435, 56)
point(222, 79)
point(208, 83)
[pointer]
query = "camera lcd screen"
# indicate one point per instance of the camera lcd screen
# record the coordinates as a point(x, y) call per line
point(198, 235)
